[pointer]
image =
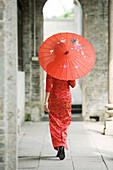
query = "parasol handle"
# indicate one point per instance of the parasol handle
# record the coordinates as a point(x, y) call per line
point(67, 52)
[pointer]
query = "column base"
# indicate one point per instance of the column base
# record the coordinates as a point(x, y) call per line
point(108, 126)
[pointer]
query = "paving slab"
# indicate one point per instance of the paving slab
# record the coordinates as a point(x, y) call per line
point(28, 169)
point(88, 163)
point(53, 161)
point(28, 163)
point(55, 168)
point(84, 151)
point(109, 162)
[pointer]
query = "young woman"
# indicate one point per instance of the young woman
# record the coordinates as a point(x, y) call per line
point(59, 100)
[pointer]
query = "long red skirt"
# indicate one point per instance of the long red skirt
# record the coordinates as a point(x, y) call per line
point(59, 116)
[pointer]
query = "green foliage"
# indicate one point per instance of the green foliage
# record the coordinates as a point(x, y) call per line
point(27, 117)
point(66, 15)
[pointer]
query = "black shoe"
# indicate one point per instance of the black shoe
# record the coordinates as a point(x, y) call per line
point(61, 153)
point(57, 154)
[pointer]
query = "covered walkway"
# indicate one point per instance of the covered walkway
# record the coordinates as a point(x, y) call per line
point(89, 149)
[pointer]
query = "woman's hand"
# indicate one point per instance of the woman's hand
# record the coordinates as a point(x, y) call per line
point(46, 102)
point(46, 108)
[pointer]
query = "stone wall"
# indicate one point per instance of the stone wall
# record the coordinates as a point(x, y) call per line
point(54, 26)
point(8, 85)
point(95, 84)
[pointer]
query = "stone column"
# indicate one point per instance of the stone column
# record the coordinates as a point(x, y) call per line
point(39, 40)
point(110, 60)
point(95, 84)
point(108, 130)
point(32, 39)
point(8, 85)
point(27, 52)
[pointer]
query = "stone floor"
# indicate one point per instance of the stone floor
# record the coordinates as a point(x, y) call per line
point(89, 149)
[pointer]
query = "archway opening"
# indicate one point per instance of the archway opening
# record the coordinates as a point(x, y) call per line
point(64, 16)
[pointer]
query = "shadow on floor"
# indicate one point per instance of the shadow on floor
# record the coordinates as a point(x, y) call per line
point(52, 158)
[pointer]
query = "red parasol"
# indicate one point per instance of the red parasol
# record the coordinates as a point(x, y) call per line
point(67, 56)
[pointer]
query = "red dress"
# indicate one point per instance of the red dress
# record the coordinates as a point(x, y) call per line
point(60, 109)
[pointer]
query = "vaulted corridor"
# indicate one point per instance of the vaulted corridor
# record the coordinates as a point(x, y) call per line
point(26, 145)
